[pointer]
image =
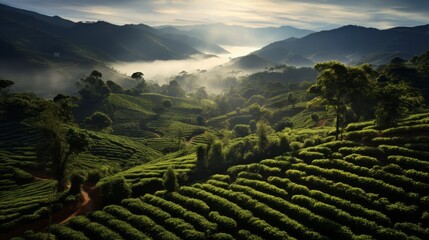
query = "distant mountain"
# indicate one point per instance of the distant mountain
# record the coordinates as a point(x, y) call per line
point(249, 62)
point(222, 34)
point(35, 39)
point(126, 43)
point(200, 45)
point(351, 44)
point(56, 20)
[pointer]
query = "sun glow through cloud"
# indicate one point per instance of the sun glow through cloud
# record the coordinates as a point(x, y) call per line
point(316, 15)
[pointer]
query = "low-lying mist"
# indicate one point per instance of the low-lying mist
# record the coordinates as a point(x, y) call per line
point(48, 83)
point(162, 71)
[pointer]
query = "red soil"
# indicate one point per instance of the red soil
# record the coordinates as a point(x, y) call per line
point(88, 202)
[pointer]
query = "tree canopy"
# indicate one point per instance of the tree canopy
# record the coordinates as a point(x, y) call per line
point(394, 100)
point(5, 84)
point(92, 88)
point(61, 145)
point(98, 121)
point(338, 86)
point(170, 180)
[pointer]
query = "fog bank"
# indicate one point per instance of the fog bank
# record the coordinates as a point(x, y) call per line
point(161, 71)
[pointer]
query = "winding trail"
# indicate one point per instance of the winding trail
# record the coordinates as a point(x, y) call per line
point(88, 201)
point(85, 204)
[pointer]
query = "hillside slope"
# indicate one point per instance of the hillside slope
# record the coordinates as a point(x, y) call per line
point(42, 39)
point(335, 190)
point(352, 44)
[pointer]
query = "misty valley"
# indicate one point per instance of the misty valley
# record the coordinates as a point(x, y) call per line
point(246, 129)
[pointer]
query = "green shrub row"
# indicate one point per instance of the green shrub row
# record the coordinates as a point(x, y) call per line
point(218, 183)
point(356, 224)
point(123, 228)
point(309, 156)
point(264, 170)
point(247, 235)
point(249, 175)
point(301, 216)
point(345, 191)
point(92, 229)
point(244, 218)
point(143, 223)
point(412, 229)
point(396, 180)
point(402, 151)
point(263, 187)
point(358, 125)
point(363, 150)
point(400, 140)
point(221, 177)
point(66, 233)
point(349, 206)
point(336, 145)
point(199, 221)
point(183, 229)
point(269, 232)
point(138, 207)
point(224, 223)
point(419, 128)
point(409, 162)
point(278, 163)
point(192, 204)
point(360, 134)
point(219, 203)
point(417, 175)
point(361, 160)
point(371, 184)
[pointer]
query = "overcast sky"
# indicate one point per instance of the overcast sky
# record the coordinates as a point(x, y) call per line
point(315, 15)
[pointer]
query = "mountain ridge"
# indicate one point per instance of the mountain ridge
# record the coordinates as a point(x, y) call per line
point(351, 43)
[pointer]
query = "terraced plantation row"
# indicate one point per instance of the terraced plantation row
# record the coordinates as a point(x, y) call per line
point(335, 190)
point(148, 177)
point(26, 203)
point(17, 145)
point(146, 117)
point(115, 153)
point(25, 197)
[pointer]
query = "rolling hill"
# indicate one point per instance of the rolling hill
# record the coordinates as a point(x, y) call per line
point(351, 44)
point(334, 190)
point(40, 39)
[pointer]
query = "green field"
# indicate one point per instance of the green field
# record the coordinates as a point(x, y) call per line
point(335, 190)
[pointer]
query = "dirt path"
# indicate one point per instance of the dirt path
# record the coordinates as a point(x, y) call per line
point(87, 202)
point(189, 142)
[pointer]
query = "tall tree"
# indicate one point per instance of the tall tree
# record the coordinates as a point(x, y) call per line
point(61, 145)
point(137, 76)
point(66, 104)
point(170, 180)
point(262, 132)
point(215, 160)
point(201, 165)
point(393, 101)
point(93, 88)
point(291, 99)
point(98, 121)
point(336, 86)
point(141, 83)
point(5, 85)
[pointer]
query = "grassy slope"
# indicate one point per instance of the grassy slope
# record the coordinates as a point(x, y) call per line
point(372, 187)
point(108, 154)
point(133, 115)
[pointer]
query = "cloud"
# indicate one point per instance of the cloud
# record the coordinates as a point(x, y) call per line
point(317, 14)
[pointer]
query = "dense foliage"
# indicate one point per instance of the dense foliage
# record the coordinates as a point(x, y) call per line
point(262, 160)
